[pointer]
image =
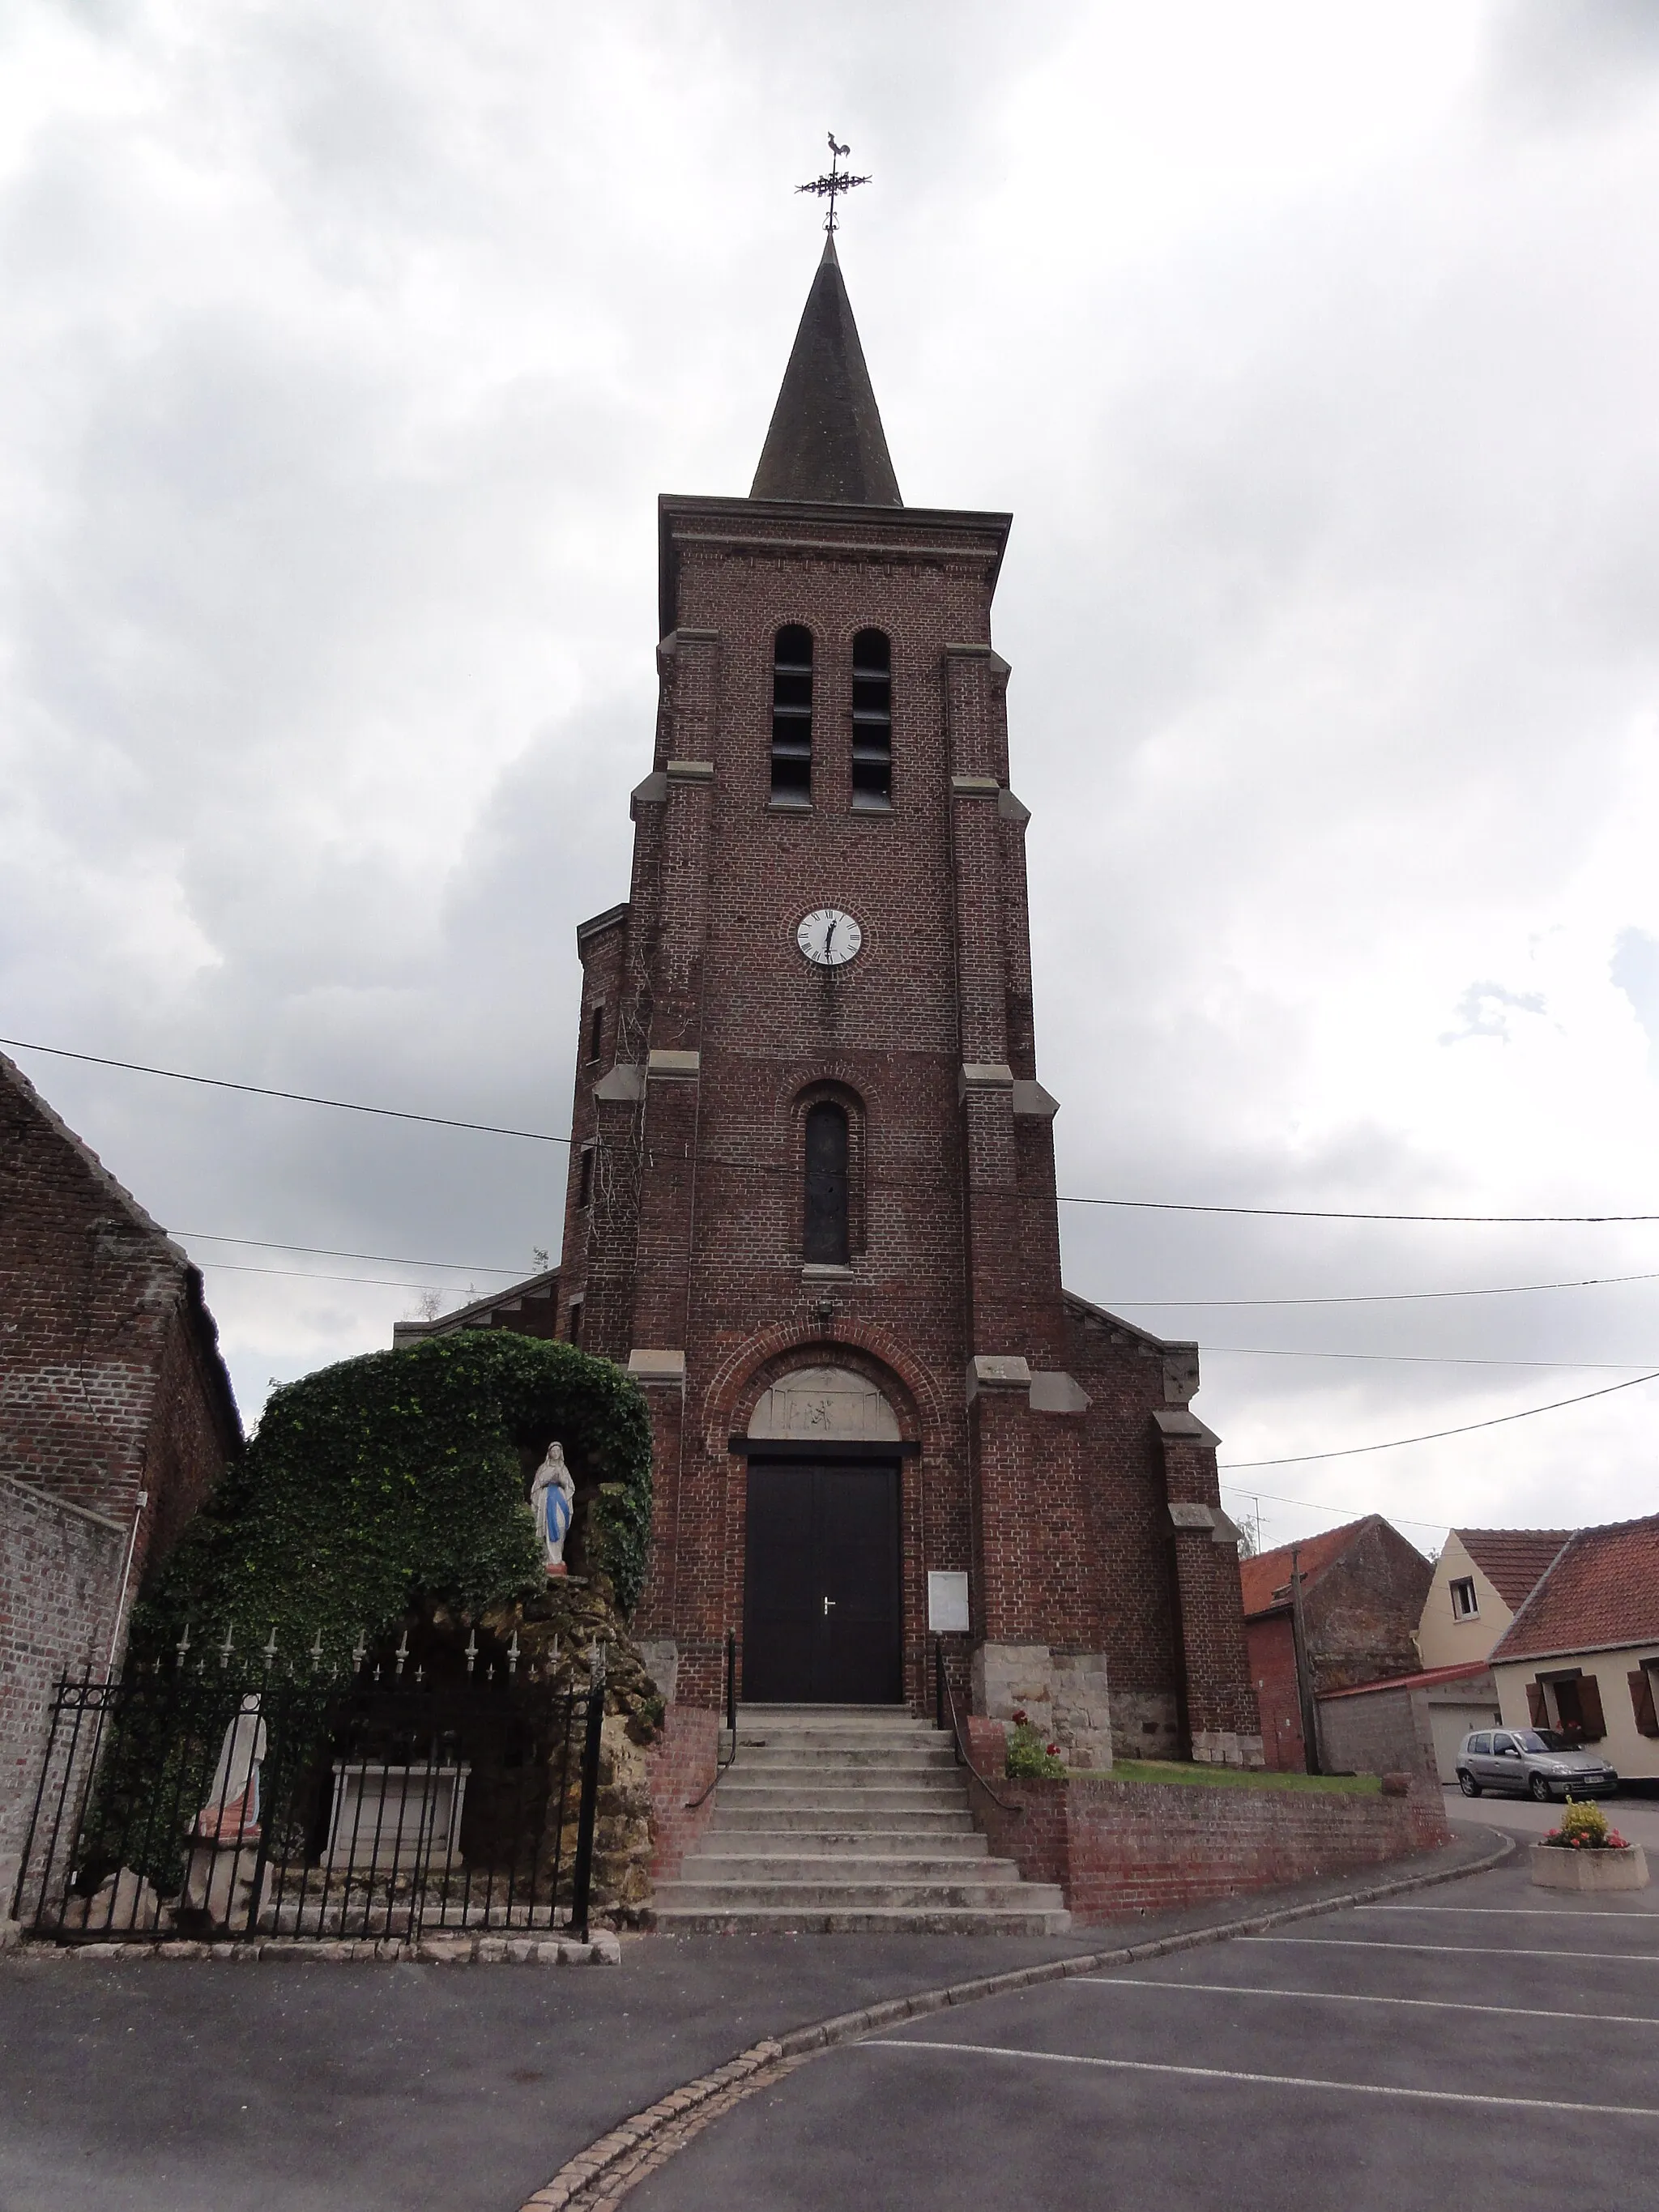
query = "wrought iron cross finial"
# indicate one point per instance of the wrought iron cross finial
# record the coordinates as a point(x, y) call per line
point(837, 182)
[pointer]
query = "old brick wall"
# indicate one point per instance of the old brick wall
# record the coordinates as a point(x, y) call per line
point(1122, 1849)
point(60, 1572)
point(1271, 1641)
point(682, 1765)
point(110, 1381)
point(1360, 1611)
point(111, 1388)
point(1378, 1732)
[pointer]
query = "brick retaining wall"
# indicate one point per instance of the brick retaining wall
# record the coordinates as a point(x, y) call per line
point(1119, 1849)
point(681, 1766)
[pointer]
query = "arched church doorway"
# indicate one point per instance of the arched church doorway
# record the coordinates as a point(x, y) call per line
point(822, 1616)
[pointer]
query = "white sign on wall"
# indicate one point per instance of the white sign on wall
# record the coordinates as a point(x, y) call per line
point(947, 1605)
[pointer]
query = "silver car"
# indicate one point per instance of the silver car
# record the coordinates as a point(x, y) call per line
point(1532, 1762)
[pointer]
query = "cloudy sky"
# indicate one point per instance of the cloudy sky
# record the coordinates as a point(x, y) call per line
point(344, 354)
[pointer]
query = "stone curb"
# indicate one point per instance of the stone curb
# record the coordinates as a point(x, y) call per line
point(597, 2177)
point(605, 1950)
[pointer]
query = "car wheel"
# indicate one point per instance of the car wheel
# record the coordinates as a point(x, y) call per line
point(1466, 1782)
point(1539, 1789)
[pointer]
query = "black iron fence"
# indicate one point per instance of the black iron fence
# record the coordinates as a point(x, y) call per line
point(200, 1806)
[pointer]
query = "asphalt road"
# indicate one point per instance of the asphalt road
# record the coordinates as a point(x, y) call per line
point(1493, 2045)
point(1637, 1819)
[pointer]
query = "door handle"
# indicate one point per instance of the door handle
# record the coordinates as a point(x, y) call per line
point(827, 1603)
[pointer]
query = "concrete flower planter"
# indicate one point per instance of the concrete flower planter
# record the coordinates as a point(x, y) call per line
point(1556, 1868)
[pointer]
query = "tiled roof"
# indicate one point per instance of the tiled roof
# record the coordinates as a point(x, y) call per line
point(1602, 1590)
point(1512, 1559)
point(1414, 1681)
point(1266, 1578)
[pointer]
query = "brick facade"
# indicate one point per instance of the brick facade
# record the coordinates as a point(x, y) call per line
point(112, 1388)
point(1049, 1450)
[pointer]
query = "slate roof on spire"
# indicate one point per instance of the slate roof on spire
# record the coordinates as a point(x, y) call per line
point(826, 441)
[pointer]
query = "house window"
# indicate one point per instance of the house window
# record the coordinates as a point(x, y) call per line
point(576, 1324)
point(596, 1032)
point(826, 1240)
point(585, 1179)
point(1642, 1698)
point(791, 716)
point(1465, 1605)
point(1578, 1707)
point(873, 722)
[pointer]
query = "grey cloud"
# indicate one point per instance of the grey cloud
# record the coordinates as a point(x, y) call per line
point(1572, 62)
point(1484, 1010)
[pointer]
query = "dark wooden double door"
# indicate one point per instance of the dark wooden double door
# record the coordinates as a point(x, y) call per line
point(820, 1598)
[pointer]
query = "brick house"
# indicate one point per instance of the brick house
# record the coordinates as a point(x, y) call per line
point(1362, 1587)
point(116, 1420)
point(811, 1200)
point(1582, 1654)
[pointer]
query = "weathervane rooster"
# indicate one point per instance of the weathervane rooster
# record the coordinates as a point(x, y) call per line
point(835, 184)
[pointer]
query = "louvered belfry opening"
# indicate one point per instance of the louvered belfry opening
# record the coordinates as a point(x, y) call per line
point(826, 1240)
point(792, 715)
point(872, 721)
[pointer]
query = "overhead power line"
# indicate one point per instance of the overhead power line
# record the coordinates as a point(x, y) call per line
point(1379, 1298)
point(329, 1252)
point(1433, 1436)
point(1136, 1205)
point(1339, 1512)
point(307, 1275)
point(1410, 1358)
point(1137, 1305)
point(298, 1097)
point(1351, 1214)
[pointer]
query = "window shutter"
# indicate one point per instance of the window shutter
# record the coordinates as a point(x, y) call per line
point(1589, 1704)
point(1536, 1706)
point(1640, 1698)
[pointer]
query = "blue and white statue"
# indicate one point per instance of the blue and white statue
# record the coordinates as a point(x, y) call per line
point(553, 1500)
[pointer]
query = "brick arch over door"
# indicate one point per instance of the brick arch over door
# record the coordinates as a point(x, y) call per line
point(773, 1352)
point(926, 1442)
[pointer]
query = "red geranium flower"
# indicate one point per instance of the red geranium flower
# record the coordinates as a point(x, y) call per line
point(1052, 1750)
point(1020, 1720)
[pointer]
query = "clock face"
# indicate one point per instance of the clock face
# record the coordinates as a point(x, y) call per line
point(828, 938)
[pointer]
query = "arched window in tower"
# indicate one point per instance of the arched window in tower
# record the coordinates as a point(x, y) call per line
point(872, 721)
point(826, 1239)
point(792, 715)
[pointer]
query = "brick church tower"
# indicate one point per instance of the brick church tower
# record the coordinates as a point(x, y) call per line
point(811, 1200)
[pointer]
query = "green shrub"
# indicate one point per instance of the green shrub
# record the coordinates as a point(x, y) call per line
point(1029, 1758)
point(397, 1480)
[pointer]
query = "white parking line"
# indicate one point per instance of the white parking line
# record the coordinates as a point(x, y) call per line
point(1271, 2081)
point(1517, 1911)
point(1345, 1996)
point(1457, 1950)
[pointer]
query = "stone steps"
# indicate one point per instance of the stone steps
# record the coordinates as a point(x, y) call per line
point(868, 1920)
point(759, 1870)
point(958, 1845)
point(939, 1819)
point(849, 1820)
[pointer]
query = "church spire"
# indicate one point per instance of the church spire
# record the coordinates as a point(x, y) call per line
point(826, 441)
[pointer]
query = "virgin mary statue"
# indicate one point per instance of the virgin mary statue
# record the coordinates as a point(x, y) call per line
point(553, 1500)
